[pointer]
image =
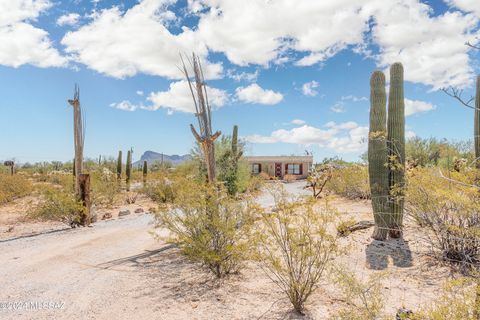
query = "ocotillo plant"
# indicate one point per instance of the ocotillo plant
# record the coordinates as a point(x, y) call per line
point(377, 155)
point(128, 169)
point(396, 149)
point(145, 172)
point(119, 165)
point(477, 124)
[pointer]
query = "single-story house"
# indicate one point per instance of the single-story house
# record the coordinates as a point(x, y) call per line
point(279, 166)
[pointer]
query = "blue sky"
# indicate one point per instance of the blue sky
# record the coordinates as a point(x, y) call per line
point(294, 75)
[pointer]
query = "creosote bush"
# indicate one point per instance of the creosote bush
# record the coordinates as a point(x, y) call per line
point(350, 181)
point(294, 247)
point(58, 205)
point(364, 299)
point(13, 187)
point(458, 301)
point(450, 211)
point(208, 226)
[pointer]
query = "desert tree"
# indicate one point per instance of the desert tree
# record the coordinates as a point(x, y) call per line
point(199, 93)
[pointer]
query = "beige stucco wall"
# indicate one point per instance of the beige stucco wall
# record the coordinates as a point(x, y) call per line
point(268, 164)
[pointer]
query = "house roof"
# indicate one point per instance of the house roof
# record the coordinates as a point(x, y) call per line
point(279, 159)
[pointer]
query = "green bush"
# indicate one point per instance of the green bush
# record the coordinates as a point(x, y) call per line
point(13, 187)
point(350, 181)
point(363, 298)
point(458, 301)
point(58, 205)
point(449, 208)
point(295, 247)
point(208, 226)
point(105, 188)
point(162, 190)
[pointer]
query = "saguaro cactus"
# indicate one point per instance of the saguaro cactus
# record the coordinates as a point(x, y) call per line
point(477, 125)
point(396, 149)
point(377, 155)
point(145, 172)
point(128, 169)
point(119, 165)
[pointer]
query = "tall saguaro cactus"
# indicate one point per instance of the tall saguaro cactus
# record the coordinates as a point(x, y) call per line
point(386, 153)
point(145, 172)
point(119, 165)
point(128, 169)
point(199, 93)
point(477, 124)
point(78, 134)
point(396, 148)
point(377, 155)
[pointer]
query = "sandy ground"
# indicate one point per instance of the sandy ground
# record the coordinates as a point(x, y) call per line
point(117, 270)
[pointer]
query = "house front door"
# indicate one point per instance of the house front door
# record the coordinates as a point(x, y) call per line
point(278, 170)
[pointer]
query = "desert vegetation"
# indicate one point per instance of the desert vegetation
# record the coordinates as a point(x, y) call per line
point(423, 191)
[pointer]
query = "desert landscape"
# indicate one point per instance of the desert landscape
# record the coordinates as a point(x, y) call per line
point(222, 159)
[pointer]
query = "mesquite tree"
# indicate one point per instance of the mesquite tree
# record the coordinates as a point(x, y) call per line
point(199, 93)
point(386, 153)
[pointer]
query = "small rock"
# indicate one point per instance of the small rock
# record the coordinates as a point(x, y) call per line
point(94, 217)
point(125, 212)
point(10, 229)
point(107, 215)
point(139, 210)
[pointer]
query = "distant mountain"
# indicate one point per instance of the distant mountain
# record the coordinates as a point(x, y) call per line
point(154, 157)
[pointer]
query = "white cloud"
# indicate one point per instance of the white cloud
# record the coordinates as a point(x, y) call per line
point(416, 106)
point(431, 48)
point(466, 5)
point(260, 32)
point(354, 98)
point(264, 32)
point(125, 105)
point(179, 98)
point(410, 134)
point(256, 94)
point(70, 19)
point(22, 43)
point(139, 92)
point(346, 137)
point(308, 88)
point(298, 122)
point(338, 107)
point(243, 76)
point(122, 44)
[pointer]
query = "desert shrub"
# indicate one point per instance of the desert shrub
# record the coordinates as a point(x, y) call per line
point(350, 181)
point(295, 247)
point(61, 178)
point(458, 301)
point(434, 152)
point(264, 176)
point(289, 178)
point(131, 197)
point(13, 187)
point(318, 177)
point(449, 210)
point(364, 298)
point(208, 226)
point(105, 188)
point(59, 205)
point(163, 190)
point(343, 228)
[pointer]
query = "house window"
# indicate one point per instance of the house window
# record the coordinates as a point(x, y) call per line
point(255, 168)
point(293, 168)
